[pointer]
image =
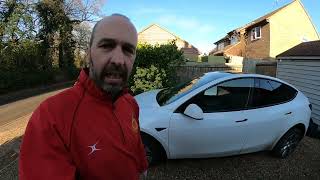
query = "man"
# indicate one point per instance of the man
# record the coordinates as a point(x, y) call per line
point(91, 130)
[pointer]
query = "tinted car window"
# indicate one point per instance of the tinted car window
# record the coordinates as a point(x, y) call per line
point(228, 96)
point(268, 92)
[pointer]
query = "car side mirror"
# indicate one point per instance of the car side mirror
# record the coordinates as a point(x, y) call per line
point(194, 111)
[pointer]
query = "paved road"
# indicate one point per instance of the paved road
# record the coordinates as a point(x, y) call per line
point(9, 113)
point(13, 120)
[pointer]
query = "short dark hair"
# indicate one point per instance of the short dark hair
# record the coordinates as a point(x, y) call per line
point(98, 22)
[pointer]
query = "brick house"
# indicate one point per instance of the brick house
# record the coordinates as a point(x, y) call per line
point(154, 34)
point(269, 35)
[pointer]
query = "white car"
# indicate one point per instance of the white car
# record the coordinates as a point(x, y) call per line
point(223, 114)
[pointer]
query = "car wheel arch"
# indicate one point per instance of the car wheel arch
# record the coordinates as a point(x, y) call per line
point(298, 126)
point(163, 149)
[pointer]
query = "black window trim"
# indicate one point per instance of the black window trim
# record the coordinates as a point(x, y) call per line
point(249, 98)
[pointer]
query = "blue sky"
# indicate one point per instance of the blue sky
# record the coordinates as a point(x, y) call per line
point(201, 22)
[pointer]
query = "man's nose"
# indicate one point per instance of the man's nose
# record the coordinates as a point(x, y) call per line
point(117, 56)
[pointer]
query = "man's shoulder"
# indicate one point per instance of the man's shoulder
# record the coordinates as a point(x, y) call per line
point(58, 111)
point(63, 102)
point(66, 97)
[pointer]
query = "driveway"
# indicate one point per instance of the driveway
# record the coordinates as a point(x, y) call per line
point(303, 164)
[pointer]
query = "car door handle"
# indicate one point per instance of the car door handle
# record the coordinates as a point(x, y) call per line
point(242, 120)
point(288, 113)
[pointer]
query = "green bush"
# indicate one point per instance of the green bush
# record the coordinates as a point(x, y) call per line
point(22, 66)
point(15, 80)
point(146, 79)
point(71, 72)
point(23, 56)
point(158, 61)
point(204, 59)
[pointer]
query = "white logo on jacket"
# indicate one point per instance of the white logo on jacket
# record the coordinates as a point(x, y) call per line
point(93, 148)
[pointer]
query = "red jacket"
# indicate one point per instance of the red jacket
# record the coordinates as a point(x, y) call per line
point(80, 133)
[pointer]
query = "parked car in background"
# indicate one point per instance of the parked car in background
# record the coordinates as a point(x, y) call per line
point(223, 114)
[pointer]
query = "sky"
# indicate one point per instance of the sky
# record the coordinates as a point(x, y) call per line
point(201, 22)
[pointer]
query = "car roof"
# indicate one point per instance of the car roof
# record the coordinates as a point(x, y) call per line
point(216, 75)
point(221, 74)
point(209, 76)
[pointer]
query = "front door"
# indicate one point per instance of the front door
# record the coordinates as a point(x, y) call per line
point(221, 131)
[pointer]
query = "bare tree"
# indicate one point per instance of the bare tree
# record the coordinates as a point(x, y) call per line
point(81, 34)
point(83, 10)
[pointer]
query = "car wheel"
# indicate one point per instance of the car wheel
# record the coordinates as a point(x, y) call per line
point(288, 143)
point(152, 149)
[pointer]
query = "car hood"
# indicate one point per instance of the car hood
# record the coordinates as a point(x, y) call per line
point(148, 99)
point(151, 114)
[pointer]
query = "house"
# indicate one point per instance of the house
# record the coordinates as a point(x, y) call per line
point(154, 34)
point(300, 66)
point(269, 35)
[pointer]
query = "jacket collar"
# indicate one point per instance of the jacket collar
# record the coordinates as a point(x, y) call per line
point(91, 87)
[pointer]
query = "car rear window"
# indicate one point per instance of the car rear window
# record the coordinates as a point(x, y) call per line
point(268, 92)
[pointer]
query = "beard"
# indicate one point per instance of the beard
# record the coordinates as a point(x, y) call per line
point(109, 70)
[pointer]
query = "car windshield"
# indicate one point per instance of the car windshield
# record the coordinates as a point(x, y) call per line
point(169, 95)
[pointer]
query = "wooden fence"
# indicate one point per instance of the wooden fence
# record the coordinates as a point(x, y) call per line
point(187, 72)
point(269, 69)
point(256, 66)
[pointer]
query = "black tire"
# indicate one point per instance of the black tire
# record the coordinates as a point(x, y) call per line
point(288, 143)
point(153, 151)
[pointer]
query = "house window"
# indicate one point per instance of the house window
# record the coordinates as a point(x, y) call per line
point(256, 33)
point(234, 39)
point(220, 46)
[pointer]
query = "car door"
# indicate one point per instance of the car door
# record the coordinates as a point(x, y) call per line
point(269, 111)
point(221, 131)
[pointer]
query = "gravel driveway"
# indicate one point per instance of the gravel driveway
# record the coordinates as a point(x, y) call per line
point(303, 164)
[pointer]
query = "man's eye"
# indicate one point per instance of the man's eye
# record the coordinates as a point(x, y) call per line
point(128, 50)
point(106, 46)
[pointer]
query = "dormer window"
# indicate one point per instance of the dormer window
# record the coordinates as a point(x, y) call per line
point(234, 39)
point(221, 46)
point(256, 33)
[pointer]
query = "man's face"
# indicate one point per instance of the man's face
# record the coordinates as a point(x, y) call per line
point(112, 53)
